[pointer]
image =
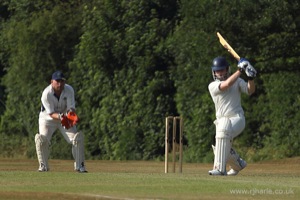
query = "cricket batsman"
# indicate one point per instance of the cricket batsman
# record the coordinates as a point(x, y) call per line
point(226, 91)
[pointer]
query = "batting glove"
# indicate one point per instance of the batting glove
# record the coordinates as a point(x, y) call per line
point(242, 64)
point(250, 72)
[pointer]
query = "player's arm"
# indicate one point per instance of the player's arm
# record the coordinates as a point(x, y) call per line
point(70, 98)
point(251, 87)
point(230, 81)
point(49, 106)
point(56, 116)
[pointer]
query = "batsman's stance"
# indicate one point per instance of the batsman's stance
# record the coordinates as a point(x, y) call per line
point(226, 91)
point(58, 112)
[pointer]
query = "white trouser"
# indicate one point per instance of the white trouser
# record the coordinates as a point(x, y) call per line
point(238, 124)
point(47, 129)
point(226, 130)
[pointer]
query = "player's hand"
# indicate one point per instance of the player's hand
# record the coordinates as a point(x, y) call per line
point(73, 118)
point(250, 72)
point(242, 64)
point(65, 122)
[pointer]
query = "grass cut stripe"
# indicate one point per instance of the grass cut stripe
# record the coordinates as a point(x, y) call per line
point(146, 180)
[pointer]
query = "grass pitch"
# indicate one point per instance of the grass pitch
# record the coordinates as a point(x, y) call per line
point(129, 180)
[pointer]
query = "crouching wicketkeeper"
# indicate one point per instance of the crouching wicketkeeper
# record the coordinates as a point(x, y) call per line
point(58, 112)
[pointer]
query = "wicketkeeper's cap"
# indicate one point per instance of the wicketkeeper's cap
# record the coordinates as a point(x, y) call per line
point(58, 75)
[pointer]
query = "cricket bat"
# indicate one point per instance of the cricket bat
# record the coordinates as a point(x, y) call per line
point(228, 47)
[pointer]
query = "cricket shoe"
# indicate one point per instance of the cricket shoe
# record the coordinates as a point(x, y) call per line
point(216, 172)
point(81, 169)
point(233, 172)
point(43, 168)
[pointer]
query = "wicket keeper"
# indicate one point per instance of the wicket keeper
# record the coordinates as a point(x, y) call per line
point(58, 112)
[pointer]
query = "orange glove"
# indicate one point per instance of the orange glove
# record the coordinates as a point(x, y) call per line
point(69, 120)
point(65, 121)
point(73, 118)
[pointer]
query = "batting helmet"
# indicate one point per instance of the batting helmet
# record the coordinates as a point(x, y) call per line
point(220, 63)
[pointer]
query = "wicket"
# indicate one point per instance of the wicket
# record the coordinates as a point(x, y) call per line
point(174, 121)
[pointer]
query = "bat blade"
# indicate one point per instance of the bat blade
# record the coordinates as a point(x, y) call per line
point(228, 47)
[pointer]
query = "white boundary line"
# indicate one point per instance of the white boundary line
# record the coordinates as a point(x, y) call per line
point(110, 197)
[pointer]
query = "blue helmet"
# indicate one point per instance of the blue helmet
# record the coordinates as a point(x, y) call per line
point(220, 63)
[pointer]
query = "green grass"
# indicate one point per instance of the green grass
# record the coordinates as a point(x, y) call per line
point(146, 180)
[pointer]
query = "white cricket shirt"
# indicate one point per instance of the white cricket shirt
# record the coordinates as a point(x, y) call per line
point(52, 104)
point(228, 102)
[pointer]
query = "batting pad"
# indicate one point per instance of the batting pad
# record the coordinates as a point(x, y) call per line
point(223, 144)
point(42, 149)
point(78, 150)
point(234, 160)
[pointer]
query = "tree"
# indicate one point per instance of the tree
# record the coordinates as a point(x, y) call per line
point(132, 63)
point(126, 89)
point(37, 45)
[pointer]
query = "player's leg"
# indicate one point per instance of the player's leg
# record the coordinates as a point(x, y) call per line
point(234, 160)
point(42, 150)
point(42, 143)
point(236, 163)
point(78, 152)
point(223, 145)
point(76, 138)
point(238, 125)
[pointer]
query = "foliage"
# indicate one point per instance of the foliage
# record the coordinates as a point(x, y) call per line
point(127, 91)
point(36, 46)
point(132, 63)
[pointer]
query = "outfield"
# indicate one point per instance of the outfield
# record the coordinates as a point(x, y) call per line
point(146, 180)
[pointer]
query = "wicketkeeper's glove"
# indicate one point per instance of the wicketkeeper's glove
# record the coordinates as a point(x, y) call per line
point(69, 120)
